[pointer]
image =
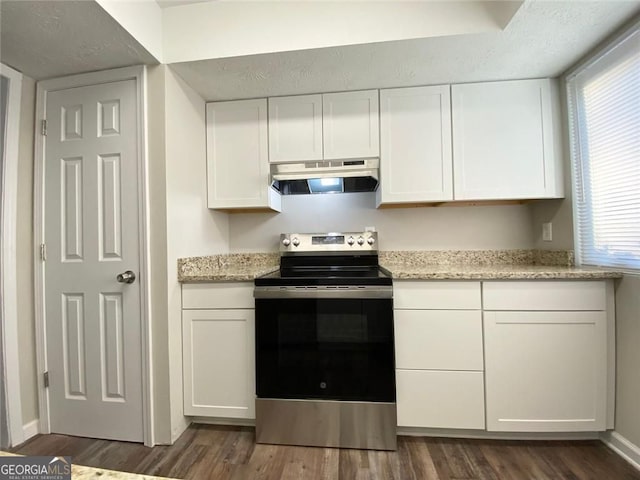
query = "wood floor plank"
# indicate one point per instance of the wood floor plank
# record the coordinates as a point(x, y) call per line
point(208, 452)
point(330, 464)
point(349, 464)
point(422, 462)
point(479, 463)
point(500, 457)
point(450, 459)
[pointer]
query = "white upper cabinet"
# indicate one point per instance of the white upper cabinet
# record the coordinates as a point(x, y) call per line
point(237, 156)
point(350, 123)
point(504, 140)
point(295, 128)
point(415, 145)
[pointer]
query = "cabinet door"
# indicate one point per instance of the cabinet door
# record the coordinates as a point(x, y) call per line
point(415, 145)
point(503, 145)
point(350, 125)
point(545, 371)
point(295, 128)
point(218, 362)
point(237, 160)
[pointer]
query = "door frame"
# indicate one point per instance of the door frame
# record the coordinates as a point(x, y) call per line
point(139, 75)
point(8, 217)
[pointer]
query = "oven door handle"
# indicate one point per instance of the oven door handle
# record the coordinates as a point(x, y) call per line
point(322, 292)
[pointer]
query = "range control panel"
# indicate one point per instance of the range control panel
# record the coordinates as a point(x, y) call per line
point(329, 242)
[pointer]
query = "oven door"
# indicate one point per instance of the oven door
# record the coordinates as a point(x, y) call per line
point(325, 348)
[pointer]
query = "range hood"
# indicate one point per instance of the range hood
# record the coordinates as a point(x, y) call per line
point(329, 176)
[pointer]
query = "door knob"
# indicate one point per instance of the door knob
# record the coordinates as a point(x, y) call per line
point(126, 277)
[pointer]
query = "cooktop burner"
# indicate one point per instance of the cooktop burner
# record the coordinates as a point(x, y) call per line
point(328, 259)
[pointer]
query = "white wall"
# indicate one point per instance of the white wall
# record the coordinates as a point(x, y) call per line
point(425, 228)
point(628, 358)
point(192, 229)
point(24, 255)
point(158, 254)
point(227, 29)
point(558, 212)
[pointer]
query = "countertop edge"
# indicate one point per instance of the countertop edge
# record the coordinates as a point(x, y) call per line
point(501, 272)
point(463, 273)
point(229, 276)
point(505, 276)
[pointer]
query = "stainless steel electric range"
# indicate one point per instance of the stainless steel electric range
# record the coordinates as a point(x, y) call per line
point(325, 370)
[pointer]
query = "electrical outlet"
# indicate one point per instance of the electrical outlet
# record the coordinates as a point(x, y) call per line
point(547, 232)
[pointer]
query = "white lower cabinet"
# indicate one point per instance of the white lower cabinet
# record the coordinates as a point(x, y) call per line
point(542, 353)
point(439, 339)
point(439, 360)
point(548, 356)
point(440, 399)
point(546, 371)
point(531, 356)
point(218, 350)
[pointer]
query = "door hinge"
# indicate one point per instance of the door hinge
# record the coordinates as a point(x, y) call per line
point(44, 127)
point(46, 379)
point(43, 252)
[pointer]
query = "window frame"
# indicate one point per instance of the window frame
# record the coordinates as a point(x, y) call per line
point(573, 122)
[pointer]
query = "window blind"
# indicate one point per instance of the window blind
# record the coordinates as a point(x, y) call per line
point(604, 117)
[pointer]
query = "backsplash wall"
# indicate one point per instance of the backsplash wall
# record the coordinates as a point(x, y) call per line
point(424, 228)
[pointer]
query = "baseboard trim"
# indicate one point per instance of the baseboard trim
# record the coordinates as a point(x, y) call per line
point(31, 429)
point(234, 422)
point(623, 447)
point(435, 432)
point(483, 434)
point(180, 428)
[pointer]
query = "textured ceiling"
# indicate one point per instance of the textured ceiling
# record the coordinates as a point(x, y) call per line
point(44, 39)
point(543, 39)
point(176, 3)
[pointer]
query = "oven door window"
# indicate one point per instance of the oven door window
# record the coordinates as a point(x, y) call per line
point(332, 349)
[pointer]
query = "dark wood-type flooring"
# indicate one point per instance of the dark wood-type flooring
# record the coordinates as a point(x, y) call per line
point(216, 452)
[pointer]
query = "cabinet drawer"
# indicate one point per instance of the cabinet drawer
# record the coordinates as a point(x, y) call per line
point(440, 399)
point(439, 339)
point(217, 295)
point(544, 295)
point(436, 295)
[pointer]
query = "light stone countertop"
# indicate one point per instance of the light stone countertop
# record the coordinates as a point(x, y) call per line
point(80, 472)
point(410, 265)
point(401, 271)
point(227, 268)
point(229, 273)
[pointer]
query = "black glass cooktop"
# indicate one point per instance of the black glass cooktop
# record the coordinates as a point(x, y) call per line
point(330, 270)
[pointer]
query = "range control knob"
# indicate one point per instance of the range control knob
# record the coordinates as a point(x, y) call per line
point(371, 240)
point(360, 240)
point(286, 242)
point(295, 241)
point(350, 241)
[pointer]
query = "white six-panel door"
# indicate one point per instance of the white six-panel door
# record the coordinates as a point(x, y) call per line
point(93, 322)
